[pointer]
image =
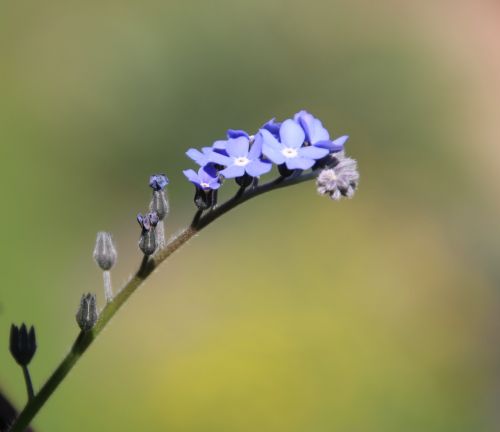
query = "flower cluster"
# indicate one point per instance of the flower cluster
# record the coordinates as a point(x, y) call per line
point(294, 145)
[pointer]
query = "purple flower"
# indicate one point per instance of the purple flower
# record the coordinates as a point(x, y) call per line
point(241, 158)
point(289, 150)
point(158, 182)
point(316, 134)
point(205, 179)
point(202, 157)
point(150, 220)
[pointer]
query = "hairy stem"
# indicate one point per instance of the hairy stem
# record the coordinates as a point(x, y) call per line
point(108, 291)
point(160, 234)
point(148, 265)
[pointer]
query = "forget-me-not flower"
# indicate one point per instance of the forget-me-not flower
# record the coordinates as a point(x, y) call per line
point(205, 179)
point(242, 158)
point(316, 134)
point(289, 150)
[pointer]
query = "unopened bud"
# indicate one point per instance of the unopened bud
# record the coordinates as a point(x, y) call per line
point(147, 242)
point(86, 316)
point(205, 199)
point(22, 344)
point(159, 204)
point(158, 182)
point(104, 252)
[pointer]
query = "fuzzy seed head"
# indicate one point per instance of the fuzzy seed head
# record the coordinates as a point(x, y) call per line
point(339, 181)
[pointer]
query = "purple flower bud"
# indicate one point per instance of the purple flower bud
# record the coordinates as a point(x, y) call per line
point(158, 182)
point(148, 242)
point(149, 221)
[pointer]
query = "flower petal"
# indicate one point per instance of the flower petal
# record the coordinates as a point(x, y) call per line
point(312, 126)
point(192, 176)
point(258, 168)
point(291, 134)
point(312, 152)
point(255, 151)
point(299, 163)
point(271, 147)
point(237, 147)
point(235, 133)
point(219, 159)
point(335, 145)
point(233, 171)
point(197, 156)
point(272, 126)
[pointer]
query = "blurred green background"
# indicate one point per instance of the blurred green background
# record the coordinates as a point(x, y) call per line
point(292, 313)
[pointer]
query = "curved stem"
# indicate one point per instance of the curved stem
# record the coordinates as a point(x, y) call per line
point(148, 265)
point(29, 384)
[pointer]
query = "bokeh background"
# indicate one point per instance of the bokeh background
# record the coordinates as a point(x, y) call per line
point(292, 313)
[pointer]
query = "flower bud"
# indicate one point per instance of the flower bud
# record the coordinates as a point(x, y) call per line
point(159, 204)
point(158, 182)
point(104, 251)
point(86, 316)
point(147, 242)
point(205, 199)
point(22, 344)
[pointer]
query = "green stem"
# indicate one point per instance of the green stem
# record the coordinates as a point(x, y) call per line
point(148, 265)
point(29, 384)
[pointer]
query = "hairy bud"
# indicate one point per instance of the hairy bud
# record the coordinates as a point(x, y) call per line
point(158, 182)
point(87, 315)
point(148, 242)
point(104, 251)
point(159, 204)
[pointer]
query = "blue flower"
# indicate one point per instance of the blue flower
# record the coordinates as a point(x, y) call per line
point(241, 158)
point(289, 150)
point(205, 179)
point(316, 134)
point(150, 220)
point(158, 182)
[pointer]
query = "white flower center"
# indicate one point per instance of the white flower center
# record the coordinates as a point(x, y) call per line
point(205, 185)
point(289, 152)
point(241, 161)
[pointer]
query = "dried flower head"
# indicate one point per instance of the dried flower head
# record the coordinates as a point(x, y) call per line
point(339, 181)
